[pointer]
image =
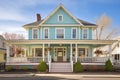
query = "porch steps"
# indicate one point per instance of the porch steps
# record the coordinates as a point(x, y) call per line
point(61, 67)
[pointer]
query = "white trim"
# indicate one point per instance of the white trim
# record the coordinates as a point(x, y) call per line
point(72, 33)
point(79, 33)
point(58, 18)
point(104, 42)
point(37, 32)
point(60, 6)
point(61, 25)
point(87, 33)
point(43, 52)
point(64, 54)
point(76, 52)
point(48, 33)
point(41, 33)
point(56, 33)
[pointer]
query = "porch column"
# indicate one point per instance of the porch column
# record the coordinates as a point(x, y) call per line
point(76, 53)
point(48, 52)
point(110, 53)
point(7, 53)
point(43, 56)
point(70, 52)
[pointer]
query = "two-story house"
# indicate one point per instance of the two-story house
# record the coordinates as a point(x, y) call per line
point(60, 39)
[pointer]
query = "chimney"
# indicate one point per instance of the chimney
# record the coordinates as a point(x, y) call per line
point(38, 17)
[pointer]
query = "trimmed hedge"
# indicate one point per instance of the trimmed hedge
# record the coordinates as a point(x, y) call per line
point(77, 67)
point(108, 65)
point(42, 67)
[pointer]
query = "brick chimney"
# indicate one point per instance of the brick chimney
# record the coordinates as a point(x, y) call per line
point(38, 17)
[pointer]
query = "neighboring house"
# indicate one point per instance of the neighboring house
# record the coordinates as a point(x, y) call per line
point(116, 50)
point(2, 52)
point(60, 40)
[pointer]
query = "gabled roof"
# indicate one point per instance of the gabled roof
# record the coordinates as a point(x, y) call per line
point(39, 23)
point(33, 24)
point(85, 23)
point(61, 6)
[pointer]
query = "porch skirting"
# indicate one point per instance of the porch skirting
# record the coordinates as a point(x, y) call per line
point(87, 66)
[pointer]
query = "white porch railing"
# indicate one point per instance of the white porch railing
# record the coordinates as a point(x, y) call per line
point(26, 59)
point(93, 59)
point(17, 59)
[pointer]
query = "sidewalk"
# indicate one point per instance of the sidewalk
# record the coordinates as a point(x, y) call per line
point(66, 75)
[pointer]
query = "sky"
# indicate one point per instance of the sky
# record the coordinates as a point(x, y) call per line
point(16, 13)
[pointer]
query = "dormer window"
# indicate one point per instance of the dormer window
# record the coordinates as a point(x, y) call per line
point(60, 18)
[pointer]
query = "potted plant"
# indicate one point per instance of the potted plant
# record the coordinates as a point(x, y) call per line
point(98, 52)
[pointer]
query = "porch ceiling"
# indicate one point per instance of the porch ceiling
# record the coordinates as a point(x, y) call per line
point(102, 42)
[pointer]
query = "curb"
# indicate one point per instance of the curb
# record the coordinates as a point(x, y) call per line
point(16, 75)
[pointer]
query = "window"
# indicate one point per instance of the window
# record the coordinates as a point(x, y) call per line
point(60, 18)
point(46, 32)
point(85, 33)
point(38, 52)
point(35, 33)
point(60, 33)
point(81, 52)
point(74, 33)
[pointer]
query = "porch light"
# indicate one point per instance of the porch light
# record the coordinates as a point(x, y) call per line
point(49, 48)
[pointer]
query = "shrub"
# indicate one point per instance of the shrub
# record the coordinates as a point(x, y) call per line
point(108, 65)
point(24, 68)
point(8, 68)
point(77, 67)
point(42, 67)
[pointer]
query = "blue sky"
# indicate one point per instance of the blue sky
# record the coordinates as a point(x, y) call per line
point(16, 13)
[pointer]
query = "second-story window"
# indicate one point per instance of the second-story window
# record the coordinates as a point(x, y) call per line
point(35, 33)
point(46, 31)
point(60, 33)
point(74, 33)
point(85, 33)
point(60, 18)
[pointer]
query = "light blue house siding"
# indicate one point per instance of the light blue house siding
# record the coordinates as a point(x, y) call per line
point(90, 33)
point(67, 19)
point(30, 33)
point(68, 33)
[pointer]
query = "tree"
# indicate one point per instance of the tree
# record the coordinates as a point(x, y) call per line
point(16, 49)
point(12, 36)
point(103, 28)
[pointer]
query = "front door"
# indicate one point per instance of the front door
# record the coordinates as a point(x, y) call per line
point(60, 56)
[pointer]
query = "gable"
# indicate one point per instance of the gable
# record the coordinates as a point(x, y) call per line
point(67, 19)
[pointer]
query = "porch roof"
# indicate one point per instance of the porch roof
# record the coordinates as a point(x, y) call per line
point(100, 42)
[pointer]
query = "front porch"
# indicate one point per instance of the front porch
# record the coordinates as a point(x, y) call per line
point(56, 51)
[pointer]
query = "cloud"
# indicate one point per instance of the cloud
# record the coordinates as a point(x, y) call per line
point(13, 28)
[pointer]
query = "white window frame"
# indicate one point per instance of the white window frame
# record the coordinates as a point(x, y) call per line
point(72, 33)
point(37, 33)
point(59, 19)
point(44, 33)
point(86, 48)
point(83, 33)
point(56, 33)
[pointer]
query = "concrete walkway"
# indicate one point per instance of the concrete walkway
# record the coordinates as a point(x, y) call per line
point(65, 75)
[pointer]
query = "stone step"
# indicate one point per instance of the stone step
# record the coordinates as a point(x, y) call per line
point(61, 67)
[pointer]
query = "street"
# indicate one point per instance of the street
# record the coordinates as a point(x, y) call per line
point(55, 78)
